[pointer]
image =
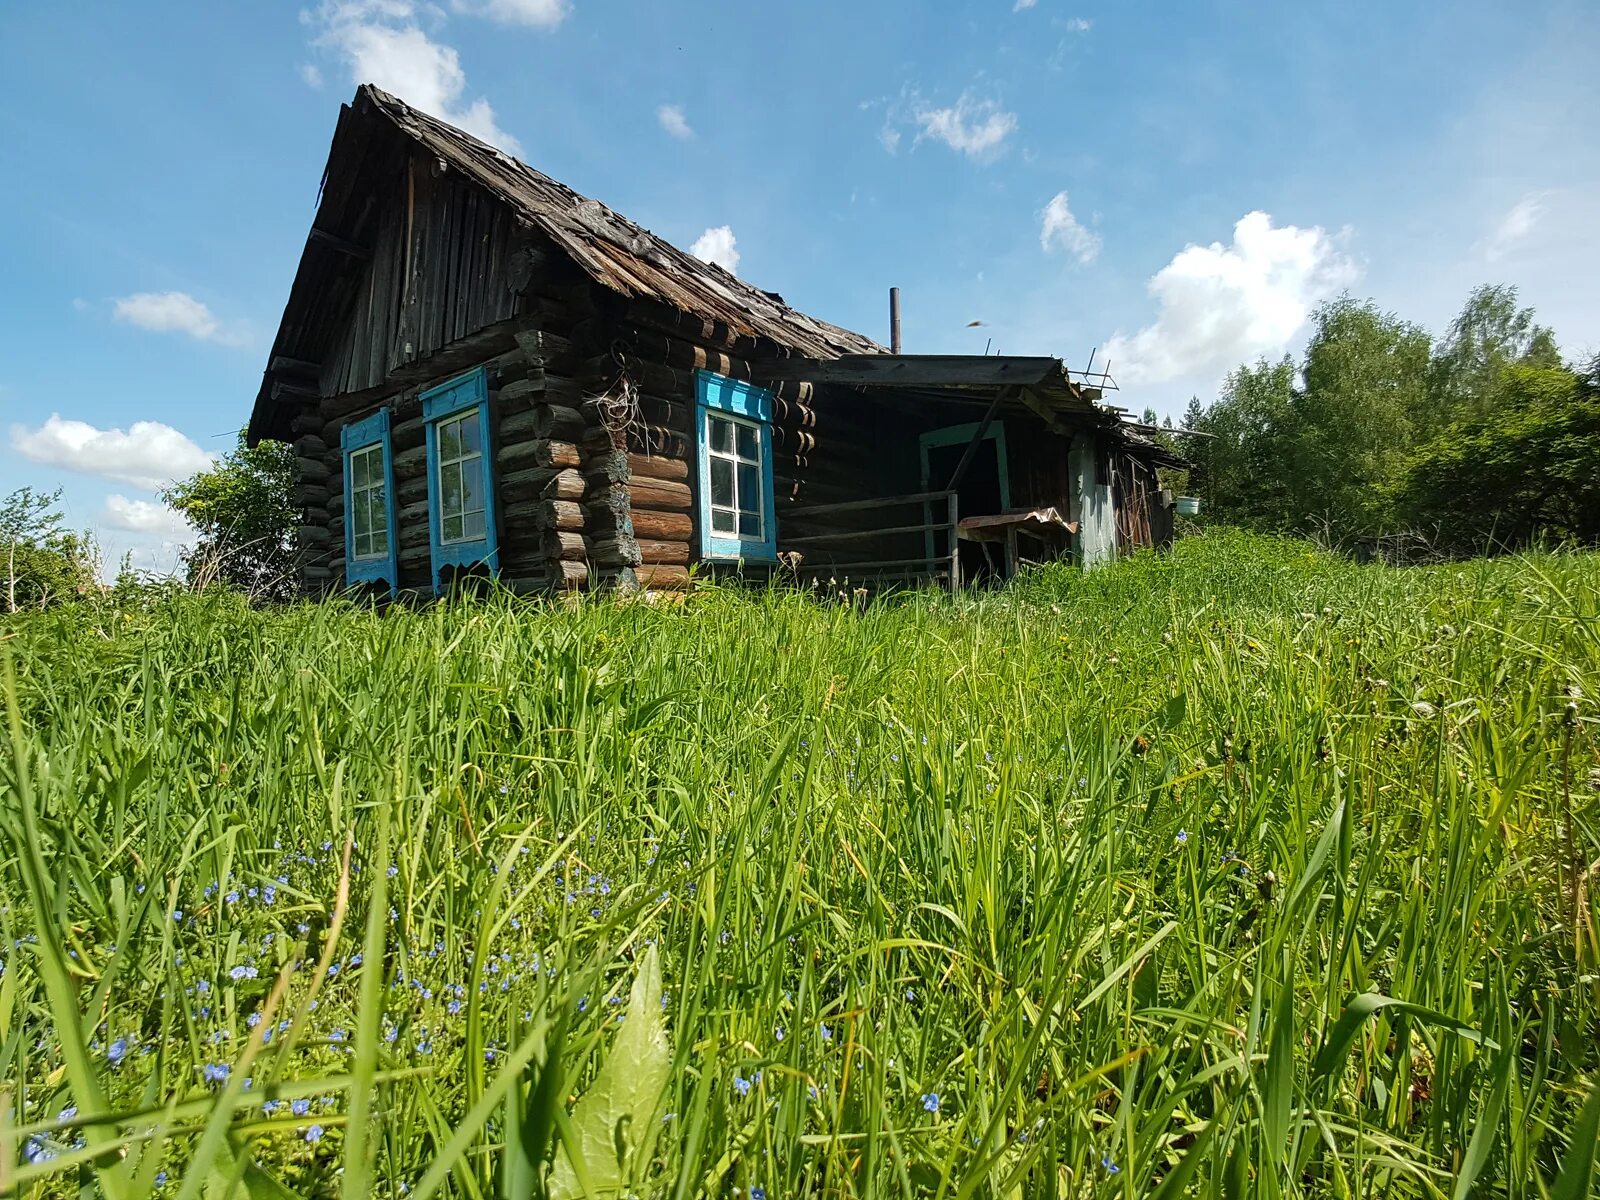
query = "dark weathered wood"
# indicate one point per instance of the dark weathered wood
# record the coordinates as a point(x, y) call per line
point(538, 452)
point(334, 242)
point(652, 551)
point(913, 370)
point(565, 544)
point(819, 510)
point(558, 421)
point(312, 470)
point(971, 451)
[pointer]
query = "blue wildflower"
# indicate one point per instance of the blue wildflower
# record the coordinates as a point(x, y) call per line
point(1108, 1164)
point(741, 1085)
point(215, 1072)
point(300, 1107)
point(1183, 837)
point(117, 1051)
point(930, 1102)
point(314, 1134)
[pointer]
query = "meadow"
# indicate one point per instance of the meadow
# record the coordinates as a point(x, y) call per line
point(1241, 871)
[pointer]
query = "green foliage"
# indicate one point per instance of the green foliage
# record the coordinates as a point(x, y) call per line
point(244, 511)
point(1530, 471)
point(1369, 435)
point(40, 563)
point(1243, 870)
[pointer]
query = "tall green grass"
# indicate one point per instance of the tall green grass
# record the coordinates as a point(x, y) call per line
point(1241, 871)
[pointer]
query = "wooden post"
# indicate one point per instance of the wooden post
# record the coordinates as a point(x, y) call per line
point(955, 543)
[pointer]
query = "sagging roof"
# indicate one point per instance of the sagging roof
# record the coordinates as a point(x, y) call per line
point(614, 251)
point(1041, 385)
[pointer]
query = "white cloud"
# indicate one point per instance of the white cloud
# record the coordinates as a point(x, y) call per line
point(1078, 25)
point(540, 14)
point(889, 137)
point(1023, 4)
point(976, 128)
point(673, 121)
point(1515, 226)
point(312, 76)
point(145, 516)
point(381, 43)
point(147, 454)
point(1059, 229)
point(718, 245)
point(1223, 305)
point(171, 312)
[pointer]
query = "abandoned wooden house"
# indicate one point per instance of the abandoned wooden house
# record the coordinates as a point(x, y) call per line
point(483, 372)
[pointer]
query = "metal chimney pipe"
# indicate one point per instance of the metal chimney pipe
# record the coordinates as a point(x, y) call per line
point(894, 320)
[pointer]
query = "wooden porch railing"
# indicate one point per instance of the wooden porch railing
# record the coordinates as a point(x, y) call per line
point(935, 512)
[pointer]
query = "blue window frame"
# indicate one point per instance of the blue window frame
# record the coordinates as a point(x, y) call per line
point(371, 544)
point(461, 508)
point(733, 426)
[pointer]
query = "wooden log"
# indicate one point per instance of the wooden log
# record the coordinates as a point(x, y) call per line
point(660, 493)
point(316, 535)
point(315, 494)
point(312, 470)
point(659, 552)
point(310, 445)
point(607, 467)
point(569, 573)
point(316, 516)
point(662, 526)
point(411, 462)
point(662, 577)
point(543, 514)
point(307, 420)
point(559, 422)
point(657, 466)
point(521, 392)
point(565, 544)
point(539, 452)
point(618, 551)
point(567, 484)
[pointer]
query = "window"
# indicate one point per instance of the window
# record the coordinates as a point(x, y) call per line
point(734, 429)
point(369, 541)
point(461, 527)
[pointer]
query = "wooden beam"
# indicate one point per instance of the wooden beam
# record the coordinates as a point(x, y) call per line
point(343, 245)
point(911, 370)
point(1044, 412)
point(282, 364)
point(971, 452)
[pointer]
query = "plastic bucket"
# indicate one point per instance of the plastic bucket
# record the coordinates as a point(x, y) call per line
point(1188, 506)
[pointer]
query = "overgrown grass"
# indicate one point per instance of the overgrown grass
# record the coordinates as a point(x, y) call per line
point(1242, 871)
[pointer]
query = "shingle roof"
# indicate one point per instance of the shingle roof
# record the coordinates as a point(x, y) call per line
point(614, 251)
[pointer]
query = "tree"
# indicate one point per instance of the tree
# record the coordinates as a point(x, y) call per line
point(43, 563)
point(1365, 379)
point(1523, 473)
point(243, 509)
point(1243, 464)
point(1490, 333)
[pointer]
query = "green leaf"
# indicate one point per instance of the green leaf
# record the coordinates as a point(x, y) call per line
point(1330, 1059)
point(1577, 1172)
point(1172, 712)
point(614, 1122)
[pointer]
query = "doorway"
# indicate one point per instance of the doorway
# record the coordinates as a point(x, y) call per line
point(984, 490)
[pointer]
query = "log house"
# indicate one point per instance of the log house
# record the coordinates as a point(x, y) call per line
point(484, 373)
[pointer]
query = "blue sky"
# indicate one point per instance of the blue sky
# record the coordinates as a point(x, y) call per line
point(1175, 185)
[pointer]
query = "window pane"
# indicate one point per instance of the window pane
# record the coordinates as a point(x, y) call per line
point(749, 487)
point(380, 544)
point(450, 490)
point(449, 440)
point(721, 482)
point(471, 434)
point(359, 522)
point(471, 485)
point(451, 530)
point(748, 447)
point(721, 520)
point(721, 435)
point(472, 526)
point(358, 469)
point(380, 510)
point(750, 524)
